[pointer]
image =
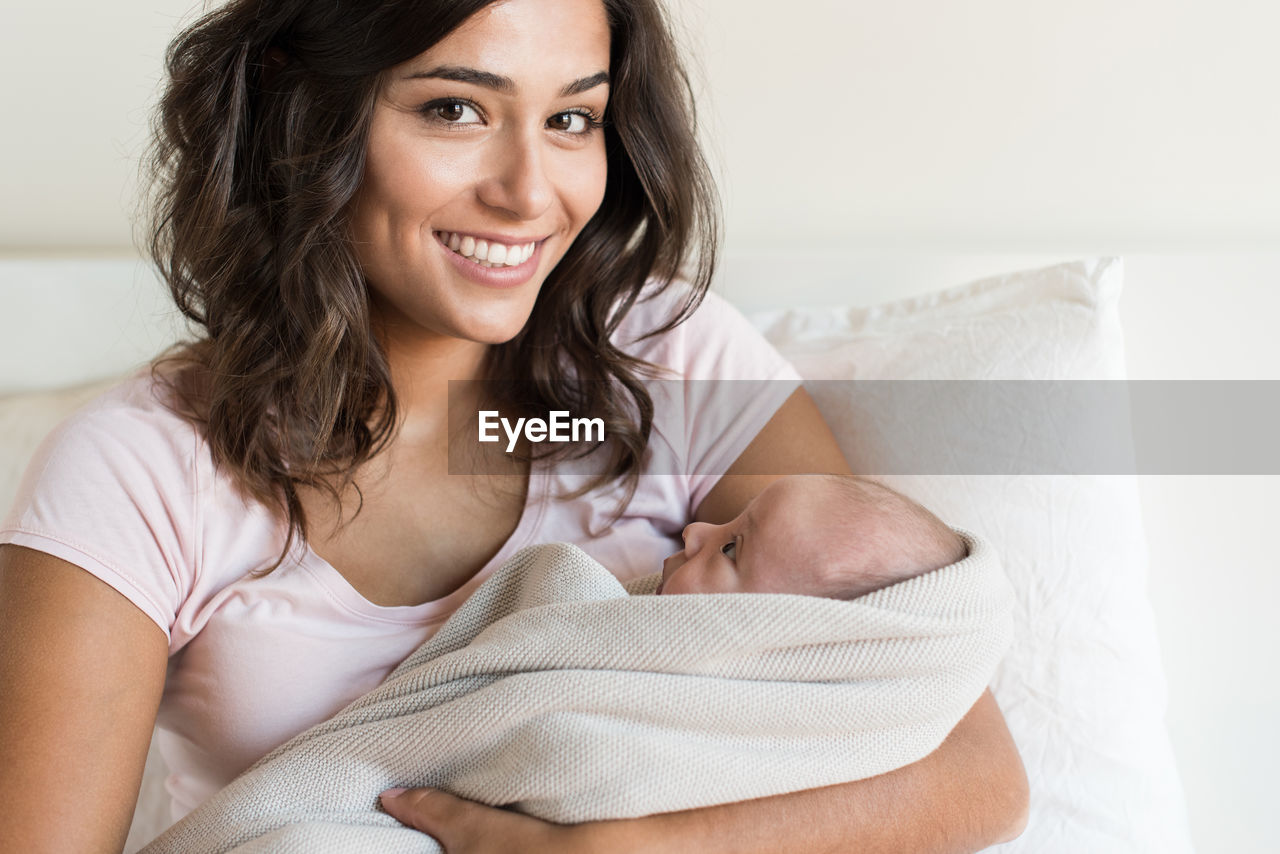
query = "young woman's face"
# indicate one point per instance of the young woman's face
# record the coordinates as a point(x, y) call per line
point(485, 160)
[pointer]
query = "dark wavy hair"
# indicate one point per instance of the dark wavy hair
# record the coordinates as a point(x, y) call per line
point(259, 147)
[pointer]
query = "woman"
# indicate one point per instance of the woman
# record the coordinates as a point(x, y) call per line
point(269, 522)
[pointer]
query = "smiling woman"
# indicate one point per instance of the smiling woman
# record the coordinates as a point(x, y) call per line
point(366, 224)
point(494, 163)
point(358, 203)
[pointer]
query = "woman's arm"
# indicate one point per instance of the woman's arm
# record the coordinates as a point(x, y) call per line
point(795, 441)
point(968, 794)
point(81, 672)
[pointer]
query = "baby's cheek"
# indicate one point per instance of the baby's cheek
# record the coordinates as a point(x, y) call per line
point(694, 577)
point(676, 584)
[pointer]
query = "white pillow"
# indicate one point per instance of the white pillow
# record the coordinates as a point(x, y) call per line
point(1082, 689)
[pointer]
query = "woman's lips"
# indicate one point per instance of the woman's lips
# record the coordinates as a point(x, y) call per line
point(494, 277)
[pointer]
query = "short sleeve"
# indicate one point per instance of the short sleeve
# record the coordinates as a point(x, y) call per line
point(113, 491)
point(729, 381)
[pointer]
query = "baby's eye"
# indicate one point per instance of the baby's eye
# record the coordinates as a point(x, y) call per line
point(729, 549)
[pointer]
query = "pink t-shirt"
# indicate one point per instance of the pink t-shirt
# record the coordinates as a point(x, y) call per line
point(128, 491)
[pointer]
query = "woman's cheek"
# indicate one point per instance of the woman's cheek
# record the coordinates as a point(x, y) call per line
point(589, 182)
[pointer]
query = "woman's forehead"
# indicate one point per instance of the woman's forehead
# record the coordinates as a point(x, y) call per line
point(561, 40)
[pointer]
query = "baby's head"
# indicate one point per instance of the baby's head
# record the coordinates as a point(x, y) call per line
point(818, 535)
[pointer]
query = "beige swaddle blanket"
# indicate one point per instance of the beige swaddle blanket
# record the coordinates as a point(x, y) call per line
point(553, 691)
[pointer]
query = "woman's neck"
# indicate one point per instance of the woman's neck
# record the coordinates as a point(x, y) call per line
point(421, 368)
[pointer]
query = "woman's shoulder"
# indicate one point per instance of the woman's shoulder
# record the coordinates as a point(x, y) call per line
point(125, 455)
point(713, 341)
point(136, 415)
point(125, 488)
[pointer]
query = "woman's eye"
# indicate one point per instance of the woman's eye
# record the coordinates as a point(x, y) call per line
point(453, 112)
point(573, 123)
point(729, 549)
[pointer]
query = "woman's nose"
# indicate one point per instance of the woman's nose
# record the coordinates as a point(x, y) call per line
point(518, 182)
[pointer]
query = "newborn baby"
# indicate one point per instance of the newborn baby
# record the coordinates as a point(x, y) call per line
point(554, 692)
point(818, 535)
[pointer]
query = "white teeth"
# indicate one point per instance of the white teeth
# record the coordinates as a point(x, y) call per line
point(488, 254)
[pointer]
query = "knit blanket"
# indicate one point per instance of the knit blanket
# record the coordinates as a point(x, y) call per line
point(556, 691)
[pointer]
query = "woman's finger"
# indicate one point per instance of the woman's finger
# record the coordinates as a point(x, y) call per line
point(429, 810)
point(466, 827)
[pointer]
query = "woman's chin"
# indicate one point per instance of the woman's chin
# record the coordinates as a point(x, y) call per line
point(495, 332)
point(492, 324)
point(497, 322)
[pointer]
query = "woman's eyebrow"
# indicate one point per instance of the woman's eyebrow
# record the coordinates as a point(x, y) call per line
point(498, 83)
point(581, 85)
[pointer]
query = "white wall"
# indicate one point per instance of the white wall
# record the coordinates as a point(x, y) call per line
point(1008, 126)
point(1099, 125)
point(78, 83)
point(1115, 125)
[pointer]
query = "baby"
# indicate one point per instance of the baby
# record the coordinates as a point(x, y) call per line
point(819, 535)
point(550, 679)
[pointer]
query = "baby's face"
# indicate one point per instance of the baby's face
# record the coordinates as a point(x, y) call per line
point(776, 545)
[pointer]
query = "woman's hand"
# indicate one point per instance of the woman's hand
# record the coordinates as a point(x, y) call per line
point(968, 794)
point(466, 827)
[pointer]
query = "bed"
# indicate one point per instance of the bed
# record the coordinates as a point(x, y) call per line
point(1083, 689)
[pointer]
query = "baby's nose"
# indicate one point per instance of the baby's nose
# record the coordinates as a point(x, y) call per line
point(693, 535)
